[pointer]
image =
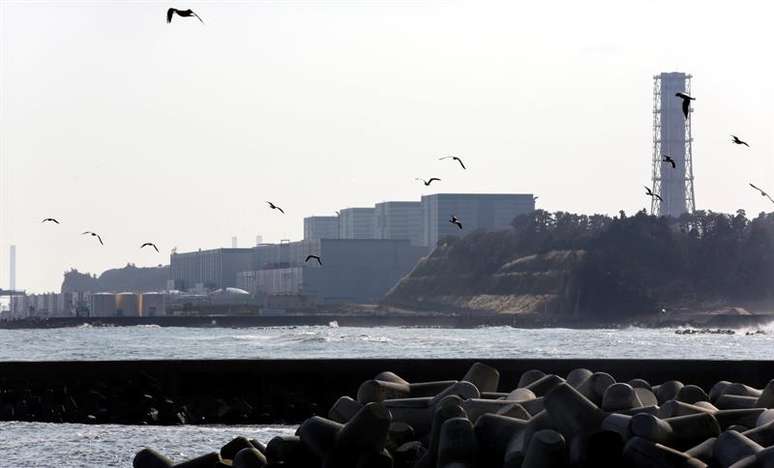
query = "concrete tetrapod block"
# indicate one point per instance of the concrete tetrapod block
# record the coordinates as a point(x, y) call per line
point(741, 389)
point(381, 459)
point(527, 377)
point(429, 389)
point(620, 396)
point(691, 394)
point(618, 423)
point(408, 454)
point(643, 453)
point(674, 408)
point(594, 387)
point(518, 445)
point(457, 443)
point(259, 445)
point(514, 410)
point(762, 435)
point(494, 433)
point(398, 434)
point(462, 389)
point(762, 459)
point(388, 376)
point(547, 449)
point(704, 451)
point(520, 394)
point(416, 412)
point(718, 389)
point(544, 384)
point(149, 458)
point(476, 407)
point(533, 406)
point(577, 376)
point(204, 461)
point(765, 417)
point(289, 450)
point(319, 435)
point(367, 430)
point(344, 408)
point(440, 416)
point(376, 391)
point(494, 395)
point(668, 390)
point(707, 405)
point(640, 383)
point(681, 432)
point(642, 409)
point(766, 398)
point(738, 417)
point(233, 446)
point(646, 396)
point(485, 378)
point(727, 401)
point(570, 412)
point(249, 458)
point(732, 446)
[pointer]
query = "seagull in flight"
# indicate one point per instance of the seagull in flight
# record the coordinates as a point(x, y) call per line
point(275, 207)
point(315, 257)
point(651, 194)
point(428, 182)
point(454, 158)
point(150, 244)
point(94, 234)
point(669, 160)
point(52, 220)
point(735, 139)
point(182, 13)
point(456, 221)
point(686, 102)
point(763, 194)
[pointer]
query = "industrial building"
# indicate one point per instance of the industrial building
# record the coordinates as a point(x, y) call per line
point(209, 269)
point(356, 223)
point(489, 212)
point(399, 220)
point(321, 227)
point(672, 136)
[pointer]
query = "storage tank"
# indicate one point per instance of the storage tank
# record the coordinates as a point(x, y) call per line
point(127, 304)
point(103, 305)
point(153, 304)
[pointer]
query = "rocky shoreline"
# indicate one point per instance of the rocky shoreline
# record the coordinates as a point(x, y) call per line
point(581, 419)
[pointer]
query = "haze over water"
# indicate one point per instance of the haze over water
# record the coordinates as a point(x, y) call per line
point(150, 342)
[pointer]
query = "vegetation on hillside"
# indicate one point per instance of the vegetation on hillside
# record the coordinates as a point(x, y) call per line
point(129, 278)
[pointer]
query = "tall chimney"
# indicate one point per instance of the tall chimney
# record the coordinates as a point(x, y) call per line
point(233, 242)
point(12, 257)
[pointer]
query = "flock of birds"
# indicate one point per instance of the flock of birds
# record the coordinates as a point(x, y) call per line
point(686, 107)
point(668, 160)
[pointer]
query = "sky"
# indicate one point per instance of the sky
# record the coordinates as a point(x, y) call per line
point(112, 120)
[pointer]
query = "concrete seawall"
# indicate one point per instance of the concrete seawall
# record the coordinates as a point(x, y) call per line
point(277, 391)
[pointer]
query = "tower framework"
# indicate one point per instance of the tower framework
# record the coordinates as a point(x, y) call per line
point(672, 136)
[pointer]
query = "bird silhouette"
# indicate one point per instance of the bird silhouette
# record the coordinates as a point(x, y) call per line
point(94, 234)
point(667, 159)
point(316, 257)
point(454, 158)
point(686, 102)
point(735, 139)
point(456, 221)
point(50, 220)
point(182, 13)
point(275, 207)
point(150, 244)
point(650, 193)
point(428, 182)
point(763, 194)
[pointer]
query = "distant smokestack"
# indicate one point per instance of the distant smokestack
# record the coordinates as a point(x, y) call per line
point(12, 258)
point(233, 242)
point(258, 239)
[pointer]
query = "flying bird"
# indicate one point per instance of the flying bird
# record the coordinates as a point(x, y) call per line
point(316, 257)
point(667, 159)
point(686, 102)
point(94, 234)
point(651, 194)
point(275, 207)
point(763, 194)
point(182, 13)
point(50, 220)
point(150, 244)
point(454, 220)
point(428, 182)
point(735, 139)
point(454, 158)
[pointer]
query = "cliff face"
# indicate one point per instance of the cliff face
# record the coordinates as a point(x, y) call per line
point(539, 283)
point(129, 278)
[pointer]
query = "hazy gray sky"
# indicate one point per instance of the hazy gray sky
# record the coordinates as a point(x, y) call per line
point(116, 122)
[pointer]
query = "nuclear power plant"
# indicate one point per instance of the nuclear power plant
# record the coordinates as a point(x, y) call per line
point(672, 137)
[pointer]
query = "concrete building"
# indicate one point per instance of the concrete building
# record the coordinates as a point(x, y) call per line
point(356, 223)
point(352, 270)
point(209, 269)
point(321, 227)
point(399, 220)
point(489, 212)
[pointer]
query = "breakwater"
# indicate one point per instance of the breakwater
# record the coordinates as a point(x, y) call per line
point(276, 391)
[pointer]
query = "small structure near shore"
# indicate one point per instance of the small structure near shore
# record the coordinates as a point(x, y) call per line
point(582, 419)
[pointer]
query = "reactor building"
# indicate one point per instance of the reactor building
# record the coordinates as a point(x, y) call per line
point(672, 137)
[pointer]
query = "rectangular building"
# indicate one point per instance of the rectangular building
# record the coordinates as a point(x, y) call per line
point(212, 269)
point(490, 212)
point(399, 220)
point(321, 227)
point(356, 223)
